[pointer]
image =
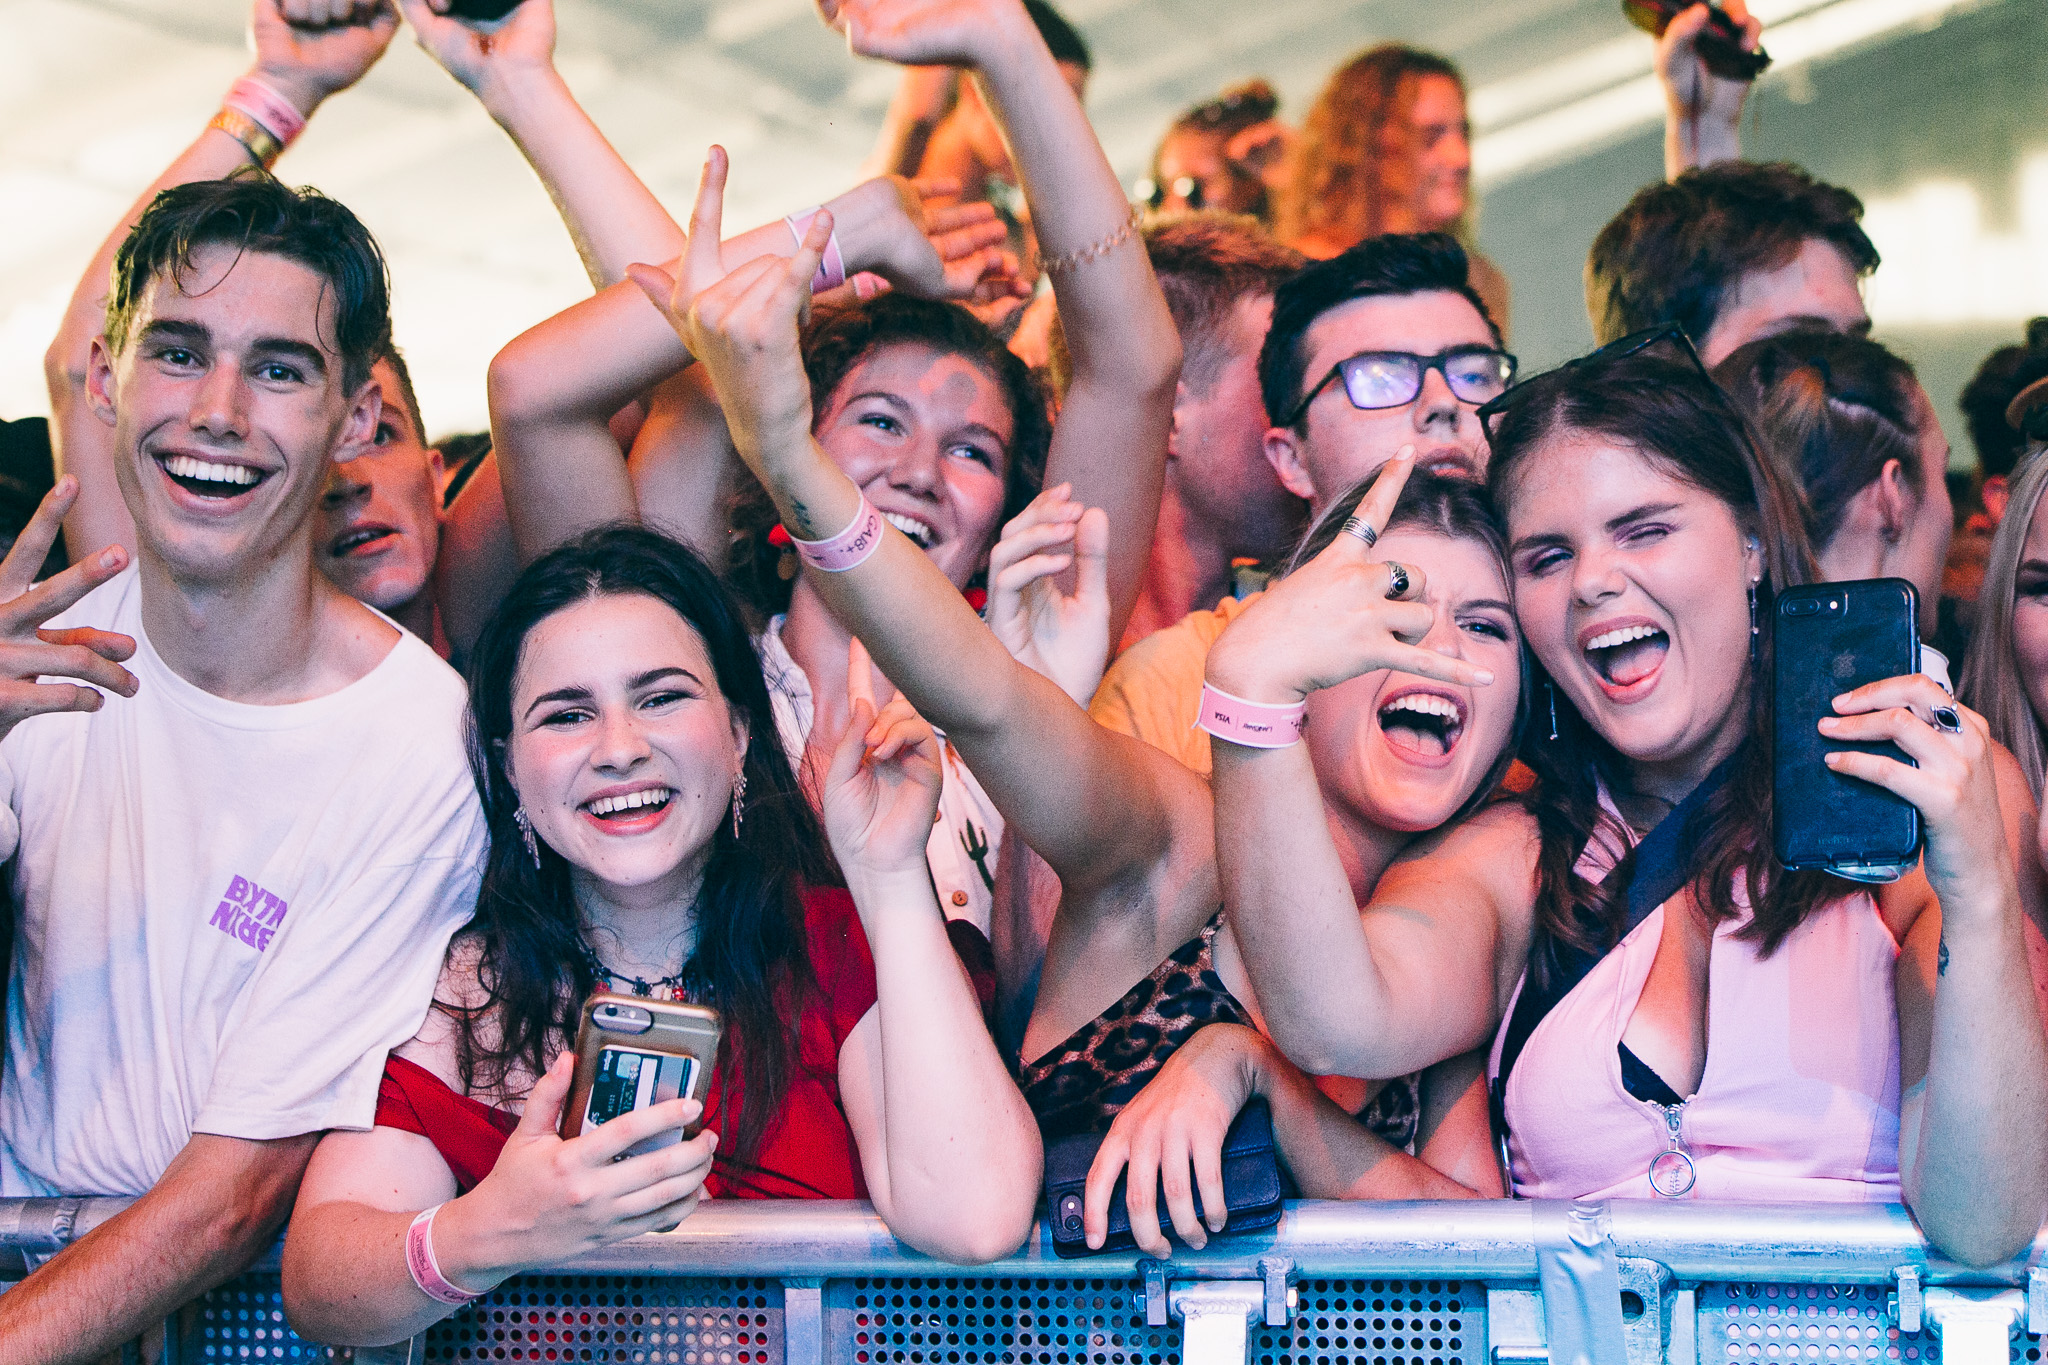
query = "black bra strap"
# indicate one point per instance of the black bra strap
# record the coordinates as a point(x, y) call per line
point(1656, 869)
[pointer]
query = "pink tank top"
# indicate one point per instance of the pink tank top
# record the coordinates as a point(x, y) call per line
point(1799, 1099)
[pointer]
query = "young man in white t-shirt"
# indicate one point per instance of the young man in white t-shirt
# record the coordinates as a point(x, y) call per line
point(236, 875)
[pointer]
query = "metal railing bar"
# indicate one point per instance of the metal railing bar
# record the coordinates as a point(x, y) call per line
point(1477, 1240)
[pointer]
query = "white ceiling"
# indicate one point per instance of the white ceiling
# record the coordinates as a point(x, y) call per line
point(97, 95)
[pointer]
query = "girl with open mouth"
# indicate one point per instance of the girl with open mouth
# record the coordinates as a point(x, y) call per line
point(1671, 1013)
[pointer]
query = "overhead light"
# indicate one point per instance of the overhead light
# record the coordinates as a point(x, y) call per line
point(1941, 268)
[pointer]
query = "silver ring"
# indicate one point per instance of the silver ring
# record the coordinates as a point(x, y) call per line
point(1947, 720)
point(1360, 527)
point(1397, 575)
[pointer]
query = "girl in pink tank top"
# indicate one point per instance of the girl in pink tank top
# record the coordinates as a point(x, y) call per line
point(1704, 1023)
point(1799, 1098)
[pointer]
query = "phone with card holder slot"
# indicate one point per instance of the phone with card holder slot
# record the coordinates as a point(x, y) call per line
point(632, 1052)
point(1831, 638)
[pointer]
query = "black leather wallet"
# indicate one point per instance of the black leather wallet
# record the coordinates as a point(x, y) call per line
point(1251, 1185)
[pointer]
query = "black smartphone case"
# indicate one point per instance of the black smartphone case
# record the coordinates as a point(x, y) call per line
point(482, 11)
point(1251, 1185)
point(1829, 639)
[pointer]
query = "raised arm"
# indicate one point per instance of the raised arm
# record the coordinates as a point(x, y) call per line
point(1110, 442)
point(1973, 1060)
point(1702, 111)
point(554, 388)
point(947, 1145)
point(612, 217)
point(1093, 803)
point(302, 66)
point(1415, 977)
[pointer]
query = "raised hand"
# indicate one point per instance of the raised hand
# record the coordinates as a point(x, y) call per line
point(548, 1200)
point(1708, 106)
point(1171, 1136)
point(929, 32)
point(481, 56)
point(1954, 787)
point(29, 651)
point(1337, 617)
point(882, 792)
point(924, 245)
point(1059, 635)
point(310, 49)
point(743, 324)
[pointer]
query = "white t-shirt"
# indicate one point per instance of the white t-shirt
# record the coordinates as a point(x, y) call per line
point(226, 914)
point(969, 830)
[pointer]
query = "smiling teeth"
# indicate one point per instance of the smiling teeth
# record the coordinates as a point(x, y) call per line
point(1424, 703)
point(910, 526)
point(185, 467)
point(611, 805)
point(1622, 636)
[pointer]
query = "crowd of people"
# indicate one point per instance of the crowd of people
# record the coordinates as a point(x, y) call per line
point(1045, 664)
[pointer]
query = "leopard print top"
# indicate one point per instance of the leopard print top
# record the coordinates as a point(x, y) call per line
point(1081, 1085)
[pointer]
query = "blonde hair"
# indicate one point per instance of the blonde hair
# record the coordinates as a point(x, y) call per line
point(1991, 682)
point(1343, 181)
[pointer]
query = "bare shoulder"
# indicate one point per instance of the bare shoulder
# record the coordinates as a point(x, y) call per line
point(459, 995)
point(1484, 862)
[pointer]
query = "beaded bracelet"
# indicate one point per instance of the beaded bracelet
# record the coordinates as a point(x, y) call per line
point(832, 266)
point(862, 536)
point(1080, 256)
point(426, 1271)
point(1256, 725)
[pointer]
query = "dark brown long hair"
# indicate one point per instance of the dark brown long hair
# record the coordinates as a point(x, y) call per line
point(1664, 407)
point(751, 952)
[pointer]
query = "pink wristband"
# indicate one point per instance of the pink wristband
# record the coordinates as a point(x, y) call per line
point(832, 269)
point(849, 547)
point(278, 115)
point(1256, 725)
point(419, 1259)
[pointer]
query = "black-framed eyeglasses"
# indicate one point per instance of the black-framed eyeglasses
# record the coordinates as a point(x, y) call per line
point(1490, 411)
point(1393, 379)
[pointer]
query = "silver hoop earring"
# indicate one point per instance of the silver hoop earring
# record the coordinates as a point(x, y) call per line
point(739, 800)
point(525, 823)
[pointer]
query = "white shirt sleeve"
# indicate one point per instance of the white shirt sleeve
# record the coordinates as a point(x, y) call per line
point(348, 978)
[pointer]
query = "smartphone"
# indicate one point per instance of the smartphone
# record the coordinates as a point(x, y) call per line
point(1829, 639)
point(482, 11)
point(1720, 42)
point(633, 1052)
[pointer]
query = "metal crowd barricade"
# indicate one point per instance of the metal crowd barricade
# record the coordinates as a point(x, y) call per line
point(1482, 1283)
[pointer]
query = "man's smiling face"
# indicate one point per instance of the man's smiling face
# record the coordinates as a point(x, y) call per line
point(229, 405)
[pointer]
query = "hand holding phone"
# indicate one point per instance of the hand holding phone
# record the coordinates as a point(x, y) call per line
point(1830, 639)
point(634, 1053)
point(1719, 43)
point(549, 1199)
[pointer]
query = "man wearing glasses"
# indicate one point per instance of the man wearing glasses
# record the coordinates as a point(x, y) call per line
point(1381, 347)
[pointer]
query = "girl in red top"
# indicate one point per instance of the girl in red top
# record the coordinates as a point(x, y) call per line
point(648, 836)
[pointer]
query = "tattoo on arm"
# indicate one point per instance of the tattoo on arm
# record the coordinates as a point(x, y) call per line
point(1941, 960)
point(803, 521)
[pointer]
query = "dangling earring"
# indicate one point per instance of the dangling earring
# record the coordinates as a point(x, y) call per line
point(739, 800)
point(1755, 627)
point(525, 823)
point(1551, 688)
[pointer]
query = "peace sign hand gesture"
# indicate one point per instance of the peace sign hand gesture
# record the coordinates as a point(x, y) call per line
point(30, 651)
point(1342, 614)
point(743, 324)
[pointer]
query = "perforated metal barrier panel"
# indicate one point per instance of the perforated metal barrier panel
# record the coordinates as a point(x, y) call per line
point(829, 1286)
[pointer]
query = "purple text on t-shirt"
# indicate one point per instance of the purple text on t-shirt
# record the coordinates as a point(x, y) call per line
point(249, 913)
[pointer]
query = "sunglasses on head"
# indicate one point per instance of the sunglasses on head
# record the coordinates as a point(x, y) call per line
point(1393, 379)
point(1664, 333)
